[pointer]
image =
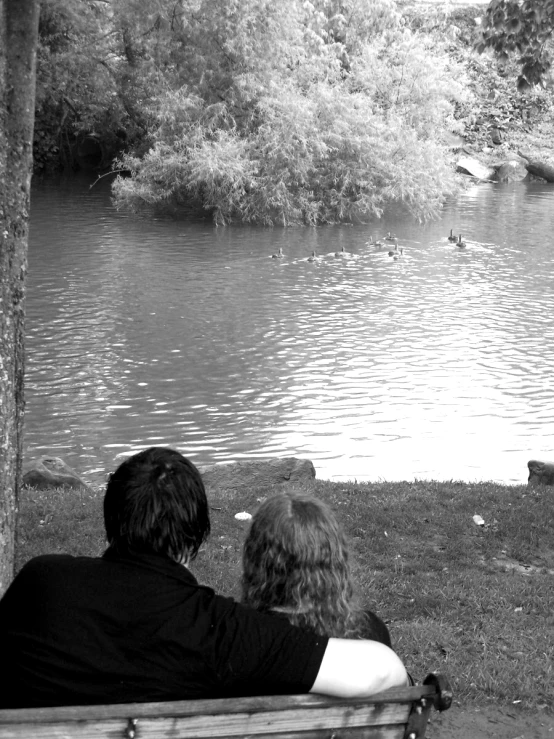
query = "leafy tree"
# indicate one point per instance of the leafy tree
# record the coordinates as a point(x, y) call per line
point(18, 38)
point(255, 110)
point(522, 28)
point(297, 112)
point(99, 64)
point(68, 78)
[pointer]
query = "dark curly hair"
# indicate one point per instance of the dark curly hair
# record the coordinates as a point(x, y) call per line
point(156, 502)
point(295, 560)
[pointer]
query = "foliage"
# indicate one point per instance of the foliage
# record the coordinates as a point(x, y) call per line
point(494, 107)
point(522, 28)
point(298, 113)
point(292, 112)
point(96, 68)
point(64, 78)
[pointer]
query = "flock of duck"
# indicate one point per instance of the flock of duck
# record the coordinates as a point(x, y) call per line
point(457, 240)
point(395, 252)
point(390, 240)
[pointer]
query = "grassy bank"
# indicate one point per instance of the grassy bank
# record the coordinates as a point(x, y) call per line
point(474, 602)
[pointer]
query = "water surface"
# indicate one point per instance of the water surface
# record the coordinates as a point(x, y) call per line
point(435, 365)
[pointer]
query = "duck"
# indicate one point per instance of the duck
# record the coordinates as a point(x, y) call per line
point(313, 257)
point(461, 244)
point(341, 253)
point(279, 254)
point(400, 253)
point(377, 243)
point(452, 237)
point(390, 237)
point(394, 251)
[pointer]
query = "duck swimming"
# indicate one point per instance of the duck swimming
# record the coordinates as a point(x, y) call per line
point(400, 253)
point(390, 237)
point(341, 253)
point(394, 251)
point(279, 254)
point(452, 237)
point(461, 244)
point(313, 257)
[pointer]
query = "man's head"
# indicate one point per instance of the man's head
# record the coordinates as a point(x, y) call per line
point(156, 502)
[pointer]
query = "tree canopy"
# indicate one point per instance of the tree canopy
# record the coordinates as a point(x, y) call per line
point(254, 110)
point(521, 28)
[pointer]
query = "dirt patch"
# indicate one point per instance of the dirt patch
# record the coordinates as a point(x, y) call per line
point(488, 722)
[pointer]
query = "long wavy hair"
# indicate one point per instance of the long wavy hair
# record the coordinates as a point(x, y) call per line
point(295, 561)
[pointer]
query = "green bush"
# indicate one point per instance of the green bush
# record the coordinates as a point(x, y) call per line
point(338, 132)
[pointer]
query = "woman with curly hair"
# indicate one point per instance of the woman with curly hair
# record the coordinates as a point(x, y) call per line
point(295, 563)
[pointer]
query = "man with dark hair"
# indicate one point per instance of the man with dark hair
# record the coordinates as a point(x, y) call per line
point(135, 626)
point(155, 502)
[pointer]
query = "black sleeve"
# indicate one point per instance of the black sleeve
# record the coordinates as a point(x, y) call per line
point(376, 629)
point(261, 654)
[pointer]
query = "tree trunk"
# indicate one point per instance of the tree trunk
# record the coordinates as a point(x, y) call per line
point(539, 169)
point(18, 42)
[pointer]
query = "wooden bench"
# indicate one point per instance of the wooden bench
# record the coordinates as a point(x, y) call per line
point(398, 713)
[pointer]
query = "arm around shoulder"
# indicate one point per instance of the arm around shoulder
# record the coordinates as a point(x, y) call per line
point(353, 668)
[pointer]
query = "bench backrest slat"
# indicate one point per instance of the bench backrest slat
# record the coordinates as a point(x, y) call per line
point(383, 716)
point(298, 722)
point(209, 706)
point(117, 730)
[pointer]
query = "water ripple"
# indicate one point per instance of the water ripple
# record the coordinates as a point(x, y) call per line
point(436, 365)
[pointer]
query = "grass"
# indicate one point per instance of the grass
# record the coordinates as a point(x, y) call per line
point(476, 603)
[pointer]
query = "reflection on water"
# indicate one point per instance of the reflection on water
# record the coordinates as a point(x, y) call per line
point(434, 365)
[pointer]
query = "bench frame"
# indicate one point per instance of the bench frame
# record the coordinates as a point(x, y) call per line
point(398, 713)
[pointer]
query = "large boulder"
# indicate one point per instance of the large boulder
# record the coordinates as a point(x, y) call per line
point(540, 473)
point(257, 474)
point(52, 472)
point(472, 166)
point(513, 170)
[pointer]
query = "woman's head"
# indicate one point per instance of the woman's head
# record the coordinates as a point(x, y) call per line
point(156, 502)
point(295, 559)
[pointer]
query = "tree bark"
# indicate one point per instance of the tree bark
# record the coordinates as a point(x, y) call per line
point(539, 169)
point(18, 43)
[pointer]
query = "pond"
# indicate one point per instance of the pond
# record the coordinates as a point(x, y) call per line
point(435, 365)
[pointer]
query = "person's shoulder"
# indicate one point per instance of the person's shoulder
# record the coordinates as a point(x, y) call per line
point(52, 562)
point(47, 560)
point(251, 619)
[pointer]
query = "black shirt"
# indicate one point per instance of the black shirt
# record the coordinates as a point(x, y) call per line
point(138, 627)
